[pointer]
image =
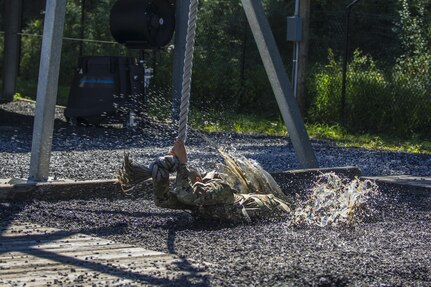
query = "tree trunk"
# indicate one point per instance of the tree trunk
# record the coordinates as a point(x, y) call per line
point(12, 41)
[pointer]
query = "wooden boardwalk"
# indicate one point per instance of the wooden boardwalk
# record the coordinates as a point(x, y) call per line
point(31, 255)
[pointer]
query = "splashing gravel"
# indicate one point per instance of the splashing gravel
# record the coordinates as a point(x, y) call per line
point(392, 247)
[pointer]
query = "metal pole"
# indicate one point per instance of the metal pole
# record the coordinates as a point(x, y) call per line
point(182, 13)
point(280, 82)
point(295, 57)
point(346, 56)
point(47, 89)
point(82, 32)
point(11, 48)
point(344, 78)
point(301, 92)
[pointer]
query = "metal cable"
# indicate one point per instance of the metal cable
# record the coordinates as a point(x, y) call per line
point(69, 38)
point(187, 71)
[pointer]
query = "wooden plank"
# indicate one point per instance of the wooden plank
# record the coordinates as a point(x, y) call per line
point(125, 253)
point(34, 240)
point(47, 278)
point(131, 264)
point(90, 252)
point(25, 230)
point(62, 272)
point(121, 251)
point(58, 247)
point(49, 257)
point(108, 273)
point(60, 237)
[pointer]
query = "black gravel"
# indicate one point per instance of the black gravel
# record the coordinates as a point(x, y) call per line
point(391, 247)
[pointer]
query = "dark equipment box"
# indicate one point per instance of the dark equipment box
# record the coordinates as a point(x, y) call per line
point(143, 24)
point(105, 89)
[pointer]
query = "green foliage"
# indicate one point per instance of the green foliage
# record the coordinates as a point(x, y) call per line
point(375, 101)
point(216, 71)
point(250, 124)
point(372, 141)
point(239, 123)
point(387, 92)
point(228, 72)
point(325, 86)
point(96, 27)
point(27, 90)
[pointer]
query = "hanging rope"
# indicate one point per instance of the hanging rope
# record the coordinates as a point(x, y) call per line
point(187, 71)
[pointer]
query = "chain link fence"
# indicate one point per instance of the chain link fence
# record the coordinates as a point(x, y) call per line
point(388, 63)
point(387, 75)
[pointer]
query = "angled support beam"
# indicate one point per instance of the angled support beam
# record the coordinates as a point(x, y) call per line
point(47, 89)
point(279, 81)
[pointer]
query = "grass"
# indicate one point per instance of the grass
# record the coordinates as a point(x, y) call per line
point(254, 125)
point(246, 124)
point(379, 142)
point(236, 123)
point(28, 89)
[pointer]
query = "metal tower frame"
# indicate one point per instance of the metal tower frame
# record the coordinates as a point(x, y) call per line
point(50, 64)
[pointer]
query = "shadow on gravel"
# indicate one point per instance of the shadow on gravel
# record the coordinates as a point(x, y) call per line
point(8, 213)
point(124, 213)
point(191, 279)
point(67, 138)
point(8, 118)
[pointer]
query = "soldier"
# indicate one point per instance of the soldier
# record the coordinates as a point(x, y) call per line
point(214, 195)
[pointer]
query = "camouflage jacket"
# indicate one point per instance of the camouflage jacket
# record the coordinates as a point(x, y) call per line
point(212, 198)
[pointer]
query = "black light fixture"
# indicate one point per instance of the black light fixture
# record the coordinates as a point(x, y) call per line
point(143, 24)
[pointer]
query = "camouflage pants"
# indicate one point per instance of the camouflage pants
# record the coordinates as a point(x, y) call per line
point(215, 199)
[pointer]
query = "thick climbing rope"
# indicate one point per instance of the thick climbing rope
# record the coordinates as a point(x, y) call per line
point(187, 70)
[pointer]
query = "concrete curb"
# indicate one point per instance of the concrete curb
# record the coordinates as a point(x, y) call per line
point(403, 180)
point(58, 190)
point(21, 190)
point(420, 187)
point(293, 181)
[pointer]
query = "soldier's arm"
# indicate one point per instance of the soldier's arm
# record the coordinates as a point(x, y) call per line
point(162, 196)
point(201, 194)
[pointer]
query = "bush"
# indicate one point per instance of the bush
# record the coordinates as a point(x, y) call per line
point(393, 103)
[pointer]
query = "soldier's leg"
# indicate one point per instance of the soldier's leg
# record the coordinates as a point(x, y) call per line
point(263, 205)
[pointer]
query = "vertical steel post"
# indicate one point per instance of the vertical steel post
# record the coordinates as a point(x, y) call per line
point(346, 56)
point(344, 76)
point(47, 89)
point(82, 32)
point(11, 48)
point(301, 92)
point(181, 18)
point(279, 81)
point(295, 57)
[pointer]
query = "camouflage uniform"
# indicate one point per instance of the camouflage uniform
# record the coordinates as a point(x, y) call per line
point(213, 198)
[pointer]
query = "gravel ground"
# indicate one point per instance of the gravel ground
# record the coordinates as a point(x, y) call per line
point(391, 247)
